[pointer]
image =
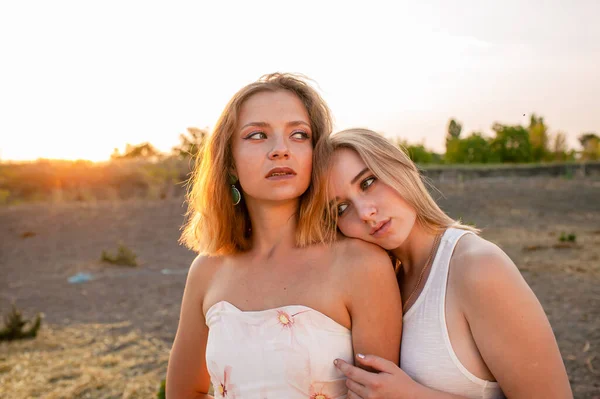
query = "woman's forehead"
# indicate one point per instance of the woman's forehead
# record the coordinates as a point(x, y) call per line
point(345, 159)
point(273, 105)
point(346, 166)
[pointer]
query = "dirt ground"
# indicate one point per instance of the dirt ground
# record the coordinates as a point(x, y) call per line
point(42, 245)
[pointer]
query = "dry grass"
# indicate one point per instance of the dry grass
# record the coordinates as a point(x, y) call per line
point(65, 181)
point(83, 361)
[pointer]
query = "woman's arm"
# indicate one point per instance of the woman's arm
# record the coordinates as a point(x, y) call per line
point(373, 300)
point(508, 323)
point(187, 375)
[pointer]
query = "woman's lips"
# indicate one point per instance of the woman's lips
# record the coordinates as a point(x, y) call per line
point(280, 177)
point(381, 228)
point(281, 173)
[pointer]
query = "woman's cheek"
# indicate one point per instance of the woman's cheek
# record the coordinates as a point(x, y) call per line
point(342, 227)
point(348, 229)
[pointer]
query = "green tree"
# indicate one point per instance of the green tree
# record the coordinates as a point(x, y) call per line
point(474, 148)
point(417, 152)
point(511, 143)
point(454, 129)
point(590, 143)
point(190, 143)
point(453, 150)
point(558, 147)
point(538, 136)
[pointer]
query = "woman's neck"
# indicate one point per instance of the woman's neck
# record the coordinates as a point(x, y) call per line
point(414, 251)
point(273, 227)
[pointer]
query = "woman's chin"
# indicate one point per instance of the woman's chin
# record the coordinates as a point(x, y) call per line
point(385, 243)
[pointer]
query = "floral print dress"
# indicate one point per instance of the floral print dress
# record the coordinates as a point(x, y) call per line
point(286, 352)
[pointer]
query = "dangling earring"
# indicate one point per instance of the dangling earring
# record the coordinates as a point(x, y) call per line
point(235, 193)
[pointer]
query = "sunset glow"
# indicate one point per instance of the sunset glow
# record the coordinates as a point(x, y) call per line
point(78, 79)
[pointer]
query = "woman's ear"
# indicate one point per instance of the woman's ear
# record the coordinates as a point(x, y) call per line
point(232, 171)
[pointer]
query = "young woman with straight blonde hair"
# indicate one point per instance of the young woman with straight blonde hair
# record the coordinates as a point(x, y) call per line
point(472, 326)
point(270, 300)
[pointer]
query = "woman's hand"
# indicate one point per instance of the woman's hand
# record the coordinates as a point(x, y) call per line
point(387, 382)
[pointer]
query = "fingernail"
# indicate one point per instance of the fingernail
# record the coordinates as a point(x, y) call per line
point(335, 362)
point(361, 355)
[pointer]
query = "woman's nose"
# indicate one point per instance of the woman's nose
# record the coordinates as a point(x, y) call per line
point(280, 150)
point(367, 212)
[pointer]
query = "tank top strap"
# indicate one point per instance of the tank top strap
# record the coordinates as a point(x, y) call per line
point(434, 291)
point(439, 273)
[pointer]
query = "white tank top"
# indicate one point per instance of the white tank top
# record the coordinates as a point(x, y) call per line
point(427, 355)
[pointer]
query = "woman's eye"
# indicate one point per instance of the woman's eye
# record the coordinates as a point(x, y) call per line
point(367, 182)
point(300, 135)
point(256, 136)
point(341, 208)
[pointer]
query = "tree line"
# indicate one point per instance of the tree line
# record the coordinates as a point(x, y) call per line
point(508, 144)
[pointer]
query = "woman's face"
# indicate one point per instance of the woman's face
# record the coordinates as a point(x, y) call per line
point(272, 147)
point(367, 208)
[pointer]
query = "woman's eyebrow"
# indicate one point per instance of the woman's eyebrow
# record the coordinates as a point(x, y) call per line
point(257, 124)
point(297, 123)
point(265, 124)
point(359, 175)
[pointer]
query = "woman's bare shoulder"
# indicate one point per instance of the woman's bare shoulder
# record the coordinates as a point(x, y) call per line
point(203, 266)
point(358, 258)
point(478, 266)
point(354, 249)
point(201, 273)
point(473, 250)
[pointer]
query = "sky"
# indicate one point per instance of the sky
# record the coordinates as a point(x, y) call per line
point(78, 79)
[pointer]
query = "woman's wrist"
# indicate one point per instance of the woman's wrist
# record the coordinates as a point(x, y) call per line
point(417, 391)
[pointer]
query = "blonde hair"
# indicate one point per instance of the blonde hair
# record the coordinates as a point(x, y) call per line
point(214, 225)
point(393, 167)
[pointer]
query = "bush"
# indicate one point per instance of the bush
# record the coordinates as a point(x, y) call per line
point(124, 256)
point(15, 326)
point(564, 237)
point(4, 196)
point(162, 391)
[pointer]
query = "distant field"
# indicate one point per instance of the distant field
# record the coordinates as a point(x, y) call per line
point(82, 181)
point(66, 181)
